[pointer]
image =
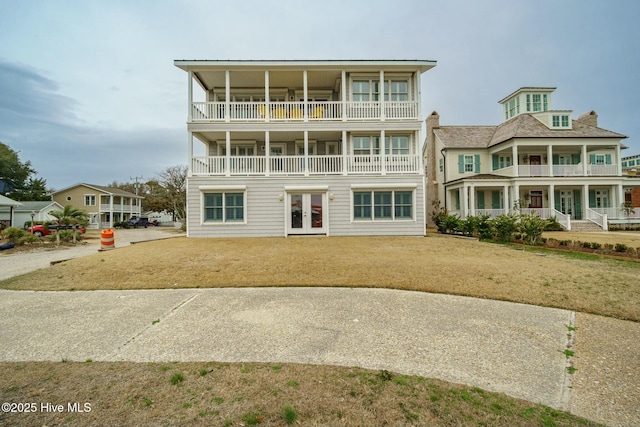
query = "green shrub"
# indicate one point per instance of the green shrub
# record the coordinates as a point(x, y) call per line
point(596, 245)
point(553, 225)
point(469, 225)
point(13, 235)
point(504, 227)
point(485, 232)
point(450, 223)
point(586, 245)
point(620, 247)
point(531, 227)
point(29, 238)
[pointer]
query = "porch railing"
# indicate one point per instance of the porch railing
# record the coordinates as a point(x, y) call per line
point(567, 170)
point(295, 111)
point(618, 213)
point(602, 170)
point(598, 218)
point(564, 220)
point(533, 170)
point(299, 165)
point(541, 212)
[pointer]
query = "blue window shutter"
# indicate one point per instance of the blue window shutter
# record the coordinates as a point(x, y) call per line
point(592, 198)
point(607, 159)
point(592, 159)
point(495, 200)
point(460, 163)
point(556, 200)
point(477, 163)
point(556, 159)
point(575, 159)
point(458, 200)
point(480, 199)
point(494, 160)
point(577, 195)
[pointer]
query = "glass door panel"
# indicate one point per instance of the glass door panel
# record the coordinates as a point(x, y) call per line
point(316, 211)
point(296, 211)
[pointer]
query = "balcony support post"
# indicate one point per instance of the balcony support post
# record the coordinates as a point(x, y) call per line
point(190, 96)
point(305, 91)
point(550, 159)
point(266, 95)
point(618, 161)
point(472, 200)
point(382, 94)
point(227, 160)
point(227, 97)
point(516, 162)
point(585, 200)
point(190, 148)
point(344, 151)
point(584, 160)
point(267, 153)
point(551, 194)
point(343, 95)
point(306, 153)
point(383, 153)
point(505, 197)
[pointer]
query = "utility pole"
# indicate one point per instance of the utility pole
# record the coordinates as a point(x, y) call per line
point(136, 185)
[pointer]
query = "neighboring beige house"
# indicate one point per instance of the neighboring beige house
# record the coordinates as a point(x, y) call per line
point(278, 148)
point(22, 214)
point(542, 158)
point(105, 205)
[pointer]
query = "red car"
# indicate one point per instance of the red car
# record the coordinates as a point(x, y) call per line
point(41, 230)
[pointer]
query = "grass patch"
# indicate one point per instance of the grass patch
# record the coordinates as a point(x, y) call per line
point(120, 393)
point(409, 263)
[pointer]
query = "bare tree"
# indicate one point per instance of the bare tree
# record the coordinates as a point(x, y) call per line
point(174, 181)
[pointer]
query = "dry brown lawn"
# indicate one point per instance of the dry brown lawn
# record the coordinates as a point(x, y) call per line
point(215, 394)
point(629, 238)
point(442, 264)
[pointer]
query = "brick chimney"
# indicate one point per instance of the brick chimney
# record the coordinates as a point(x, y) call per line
point(590, 118)
point(433, 122)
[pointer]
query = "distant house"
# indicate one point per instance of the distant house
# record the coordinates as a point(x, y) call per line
point(10, 205)
point(539, 158)
point(22, 213)
point(105, 205)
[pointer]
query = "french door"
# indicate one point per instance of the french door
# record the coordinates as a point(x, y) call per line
point(306, 213)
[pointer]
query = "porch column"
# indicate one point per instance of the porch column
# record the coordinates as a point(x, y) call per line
point(472, 200)
point(550, 159)
point(190, 148)
point(190, 96)
point(343, 95)
point(267, 154)
point(344, 152)
point(447, 200)
point(516, 163)
point(306, 153)
point(619, 160)
point(266, 96)
point(227, 96)
point(383, 153)
point(585, 200)
point(505, 196)
point(110, 210)
point(382, 110)
point(551, 195)
point(305, 91)
point(620, 196)
point(584, 160)
point(464, 205)
point(516, 193)
point(227, 160)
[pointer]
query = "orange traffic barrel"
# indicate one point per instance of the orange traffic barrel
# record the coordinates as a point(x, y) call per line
point(107, 241)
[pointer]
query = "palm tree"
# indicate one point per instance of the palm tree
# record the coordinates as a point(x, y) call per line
point(69, 216)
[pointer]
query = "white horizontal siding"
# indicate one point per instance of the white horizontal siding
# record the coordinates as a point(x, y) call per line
point(265, 212)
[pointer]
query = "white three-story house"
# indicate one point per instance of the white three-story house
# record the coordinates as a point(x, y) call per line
point(538, 160)
point(279, 148)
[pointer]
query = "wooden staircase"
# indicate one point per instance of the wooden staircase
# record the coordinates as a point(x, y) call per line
point(585, 227)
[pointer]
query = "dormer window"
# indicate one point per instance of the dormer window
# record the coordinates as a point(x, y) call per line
point(560, 121)
point(537, 102)
point(512, 108)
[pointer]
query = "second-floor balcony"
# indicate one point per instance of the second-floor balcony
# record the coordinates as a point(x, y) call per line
point(298, 111)
point(306, 165)
point(559, 170)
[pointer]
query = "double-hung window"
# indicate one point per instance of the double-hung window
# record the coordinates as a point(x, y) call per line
point(365, 90)
point(398, 144)
point(468, 163)
point(382, 205)
point(396, 90)
point(366, 145)
point(89, 200)
point(223, 207)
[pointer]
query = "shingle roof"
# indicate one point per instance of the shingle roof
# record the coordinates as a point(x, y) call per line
point(108, 190)
point(522, 126)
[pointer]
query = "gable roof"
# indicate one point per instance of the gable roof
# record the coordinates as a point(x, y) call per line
point(5, 201)
point(521, 126)
point(33, 206)
point(106, 190)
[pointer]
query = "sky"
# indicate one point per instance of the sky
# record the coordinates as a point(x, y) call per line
point(89, 92)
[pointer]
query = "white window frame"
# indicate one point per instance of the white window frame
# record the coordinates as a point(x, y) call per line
point(472, 164)
point(89, 196)
point(393, 188)
point(235, 146)
point(214, 189)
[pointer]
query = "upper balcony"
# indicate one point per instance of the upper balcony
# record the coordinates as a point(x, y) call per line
point(302, 112)
point(303, 91)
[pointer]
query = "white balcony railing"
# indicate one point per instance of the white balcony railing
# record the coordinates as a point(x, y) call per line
point(567, 170)
point(533, 170)
point(618, 213)
point(597, 218)
point(295, 111)
point(301, 165)
point(602, 170)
